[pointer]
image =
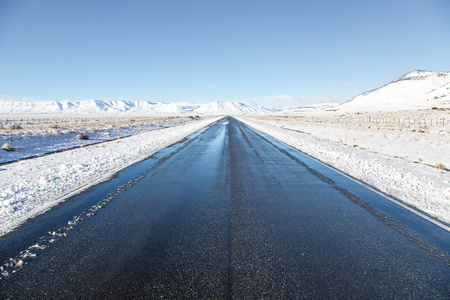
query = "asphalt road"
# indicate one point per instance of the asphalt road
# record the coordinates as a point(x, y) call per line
point(228, 214)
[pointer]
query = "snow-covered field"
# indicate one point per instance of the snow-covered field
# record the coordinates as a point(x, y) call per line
point(395, 138)
point(30, 187)
point(405, 155)
point(399, 157)
point(35, 135)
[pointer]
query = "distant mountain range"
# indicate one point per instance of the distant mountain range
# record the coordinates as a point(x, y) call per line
point(412, 91)
point(130, 107)
point(311, 108)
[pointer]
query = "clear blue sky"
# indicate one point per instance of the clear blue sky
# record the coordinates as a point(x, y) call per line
point(276, 53)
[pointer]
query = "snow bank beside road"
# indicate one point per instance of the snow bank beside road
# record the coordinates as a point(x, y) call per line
point(29, 188)
point(421, 186)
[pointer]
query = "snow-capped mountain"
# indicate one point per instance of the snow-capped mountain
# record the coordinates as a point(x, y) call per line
point(230, 108)
point(311, 108)
point(132, 107)
point(412, 91)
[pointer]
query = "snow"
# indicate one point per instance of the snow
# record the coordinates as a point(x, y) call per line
point(399, 159)
point(30, 187)
point(412, 91)
point(128, 107)
point(397, 163)
point(311, 108)
point(231, 108)
point(61, 133)
point(395, 138)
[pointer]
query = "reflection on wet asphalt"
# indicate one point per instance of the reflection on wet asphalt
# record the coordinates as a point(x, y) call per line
point(230, 214)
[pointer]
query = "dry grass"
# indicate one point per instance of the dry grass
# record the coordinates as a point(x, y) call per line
point(440, 166)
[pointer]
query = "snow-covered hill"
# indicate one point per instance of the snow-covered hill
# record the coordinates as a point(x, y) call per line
point(412, 91)
point(132, 107)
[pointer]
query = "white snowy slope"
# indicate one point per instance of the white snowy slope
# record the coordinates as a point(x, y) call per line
point(130, 107)
point(412, 91)
point(30, 187)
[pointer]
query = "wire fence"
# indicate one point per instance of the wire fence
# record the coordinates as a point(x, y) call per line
point(385, 121)
point(391, 120)
point(24, 121)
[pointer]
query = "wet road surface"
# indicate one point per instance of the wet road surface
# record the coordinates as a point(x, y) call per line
point(228, 214)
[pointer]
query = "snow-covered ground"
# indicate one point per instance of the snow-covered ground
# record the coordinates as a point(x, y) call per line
point(405, 160)
point(40, 135)
point(30, 187)
point(395, 138)
point(391, 152)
